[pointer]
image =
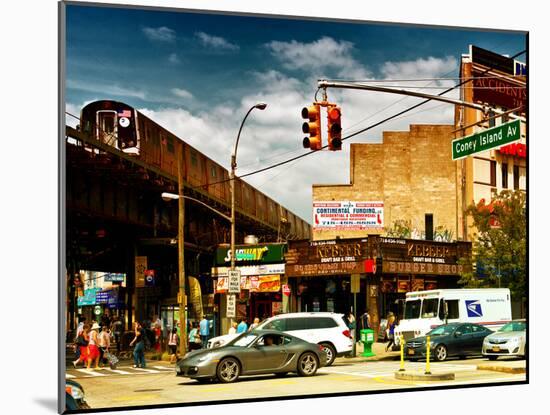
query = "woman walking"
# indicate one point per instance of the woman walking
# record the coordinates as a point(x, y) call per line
point(195, 341)
point(390, 331)
point(139, 350)
point(82, 344)
point(173, 345)
point(93, 348)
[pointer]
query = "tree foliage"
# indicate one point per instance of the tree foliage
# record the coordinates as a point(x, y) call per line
point(500, 245)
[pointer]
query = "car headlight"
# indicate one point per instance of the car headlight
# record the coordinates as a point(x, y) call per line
point(74, 391)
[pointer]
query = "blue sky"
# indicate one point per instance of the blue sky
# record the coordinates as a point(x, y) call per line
point(197, 75)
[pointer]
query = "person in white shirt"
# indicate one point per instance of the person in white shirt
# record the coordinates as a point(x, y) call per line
point(104, 342)
point(233, 328)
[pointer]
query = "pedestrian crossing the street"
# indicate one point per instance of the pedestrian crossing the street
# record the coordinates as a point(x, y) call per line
point(121, 370)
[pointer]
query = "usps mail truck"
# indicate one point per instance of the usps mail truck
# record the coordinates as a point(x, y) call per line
point(425, 310)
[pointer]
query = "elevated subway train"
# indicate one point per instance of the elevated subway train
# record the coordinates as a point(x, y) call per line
point(123, 127)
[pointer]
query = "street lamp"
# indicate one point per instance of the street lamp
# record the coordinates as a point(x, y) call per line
point(260, 106)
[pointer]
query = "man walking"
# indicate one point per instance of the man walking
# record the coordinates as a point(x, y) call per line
point(242, 327)
point(204, 328)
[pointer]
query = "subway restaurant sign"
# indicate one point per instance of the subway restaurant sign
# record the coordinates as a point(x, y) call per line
point(486, 140)
point(266, 254)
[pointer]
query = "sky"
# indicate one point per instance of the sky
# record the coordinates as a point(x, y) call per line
point(198, 74)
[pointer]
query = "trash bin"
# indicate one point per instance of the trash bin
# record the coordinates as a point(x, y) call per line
point(367, 338)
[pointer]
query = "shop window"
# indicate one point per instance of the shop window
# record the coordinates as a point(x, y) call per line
point(493, 173)
point(505, 175)
point(516, 177)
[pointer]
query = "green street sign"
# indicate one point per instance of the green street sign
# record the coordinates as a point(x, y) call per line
point(486, 140)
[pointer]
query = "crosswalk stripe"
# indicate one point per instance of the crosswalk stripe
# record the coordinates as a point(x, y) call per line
point(69, 376)
point(171, 369)
point(146, 370)
point(90, 372)
point(120, 372)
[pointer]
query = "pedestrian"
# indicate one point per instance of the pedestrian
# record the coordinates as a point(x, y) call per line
point(242, 327)
point(93, 347)
point(204, 331)
point(79, 330)
point(118, 330)
point(390, 330)
point(157, 333)
point(82, 345)
point(104, 343)
point(194, 337)
point(139, 349)
point(173, 341)
point(254, 324)
point(105, 319)
point(351, 324)
point(233, 328)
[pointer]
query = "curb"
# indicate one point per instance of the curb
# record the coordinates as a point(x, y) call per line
point(503, 369)
point(423, 376)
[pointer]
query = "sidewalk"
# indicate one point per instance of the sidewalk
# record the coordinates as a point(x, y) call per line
point(505, 366)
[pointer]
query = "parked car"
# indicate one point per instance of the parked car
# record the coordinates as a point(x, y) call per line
point(74, 396)
point(510, 340)
point(326, 329)
point(453, 339)
point(253, 353)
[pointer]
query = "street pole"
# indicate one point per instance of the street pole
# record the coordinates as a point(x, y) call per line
point(182, 300)
point(260, 106)
point(356, 325)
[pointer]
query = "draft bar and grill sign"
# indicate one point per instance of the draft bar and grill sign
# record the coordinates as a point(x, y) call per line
point(486, 140)
point(348, 215)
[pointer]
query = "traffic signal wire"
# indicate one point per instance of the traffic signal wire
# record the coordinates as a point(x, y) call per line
point(370, 127)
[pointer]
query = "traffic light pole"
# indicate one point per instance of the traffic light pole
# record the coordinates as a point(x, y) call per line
point(182, 299)
point(352, 85)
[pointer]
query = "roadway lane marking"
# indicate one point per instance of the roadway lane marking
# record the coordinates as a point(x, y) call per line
point(140, 369)
point(90, 372)
point(67, 376)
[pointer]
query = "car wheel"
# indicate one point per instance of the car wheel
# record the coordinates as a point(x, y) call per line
point(330, 351)
point(307, 364)
point(228, 370)
point(440, 352)
point(492, 357)
point(281, 374)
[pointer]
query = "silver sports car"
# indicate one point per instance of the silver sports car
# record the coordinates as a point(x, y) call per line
point(253, 353)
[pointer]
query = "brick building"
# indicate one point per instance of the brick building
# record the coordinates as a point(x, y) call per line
point(411, 172)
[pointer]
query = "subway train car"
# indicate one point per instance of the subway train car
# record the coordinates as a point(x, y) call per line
point(126, 129)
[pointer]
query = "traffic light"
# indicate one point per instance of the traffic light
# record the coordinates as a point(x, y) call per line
point(334, 115)
point(313, 127)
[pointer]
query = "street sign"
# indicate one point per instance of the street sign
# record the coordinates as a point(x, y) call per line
point(486, 140)
point(355, 283)
point(231, 306)
point(234, 283)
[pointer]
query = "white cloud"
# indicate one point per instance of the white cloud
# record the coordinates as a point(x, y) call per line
point(173, 58)
point(105, 89)
point(161, 34)
point(420, 68)
point(216, 42)
point(182, 93)
point(72, 111)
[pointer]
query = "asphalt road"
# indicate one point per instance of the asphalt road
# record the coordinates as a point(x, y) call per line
point(157, 384)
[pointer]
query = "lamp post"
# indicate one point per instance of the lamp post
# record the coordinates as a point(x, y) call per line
point(260, 106)
point(182, 299)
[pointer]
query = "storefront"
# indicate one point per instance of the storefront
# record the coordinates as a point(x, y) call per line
point(104, 295)
point(397, 266)
point(262, 272)
point(320, 274)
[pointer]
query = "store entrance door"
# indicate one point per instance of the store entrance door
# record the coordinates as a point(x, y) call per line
point(262, 309)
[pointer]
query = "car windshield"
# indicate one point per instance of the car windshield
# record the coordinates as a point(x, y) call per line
point(244, 340)
point(429, 307)
point(412, 309)
point(513, 326)
point(441, 331)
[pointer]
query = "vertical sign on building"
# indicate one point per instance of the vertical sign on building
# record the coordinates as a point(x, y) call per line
point(234, 284)
point(140, 268)
point(231, 306)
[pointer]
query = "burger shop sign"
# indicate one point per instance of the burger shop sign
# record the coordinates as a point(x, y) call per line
point(326, 257)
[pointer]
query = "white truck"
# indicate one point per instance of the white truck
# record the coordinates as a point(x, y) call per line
point(425, 310)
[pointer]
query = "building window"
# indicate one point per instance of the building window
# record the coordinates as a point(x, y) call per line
point(491, 120)
point(213, 171)
point(493, 173)
point(193, 158)
point(504, 175)
point(170, 144)
point(516, 177)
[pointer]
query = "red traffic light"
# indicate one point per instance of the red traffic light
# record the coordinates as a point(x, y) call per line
point(334, 115)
